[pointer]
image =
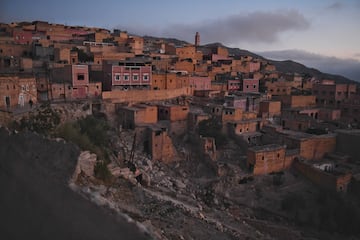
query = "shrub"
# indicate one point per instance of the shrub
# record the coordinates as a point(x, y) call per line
point(89, 134)
point(212, 128)
point(43, 121)
point(101, 171)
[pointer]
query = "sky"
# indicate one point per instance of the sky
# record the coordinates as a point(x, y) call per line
point(324, 34)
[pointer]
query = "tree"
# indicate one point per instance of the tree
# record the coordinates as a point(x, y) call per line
point(212, 128)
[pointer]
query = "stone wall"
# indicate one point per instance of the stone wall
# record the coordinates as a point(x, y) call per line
point(338, 182)
point(160, 145)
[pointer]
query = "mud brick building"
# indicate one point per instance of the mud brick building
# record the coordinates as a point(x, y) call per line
point(170, 80)
point(160, 144)
point(172, 112)
point(16, 90)
point(325, 175)
point(350, 109)
point(331, 94)
point(279, 87)
point(135, 115)
point(230, 114)
point(244, 126)
point(296, 101)
point(312, 147)
point(267, 159)
point(246, 101)
point(269, 108)
point(186, 52)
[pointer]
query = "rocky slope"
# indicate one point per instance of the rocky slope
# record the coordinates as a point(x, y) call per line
point(36, 202)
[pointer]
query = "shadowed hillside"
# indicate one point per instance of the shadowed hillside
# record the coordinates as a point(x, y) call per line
point(36, 202)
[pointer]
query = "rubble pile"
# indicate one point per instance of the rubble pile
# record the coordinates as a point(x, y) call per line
point(171, 202)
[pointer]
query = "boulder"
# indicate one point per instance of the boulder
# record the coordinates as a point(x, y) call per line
point(86, 163)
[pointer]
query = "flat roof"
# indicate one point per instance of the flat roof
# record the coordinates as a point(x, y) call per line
point(246, 120)
point(355, 132)
point(266, 148)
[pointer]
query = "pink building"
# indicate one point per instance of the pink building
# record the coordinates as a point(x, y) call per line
point(200, 83)
point(127, 75)
point(22, 37)
point(72, 82)
point(233, 85)
point(250, 85)
point(217, 57)
point(80, 80)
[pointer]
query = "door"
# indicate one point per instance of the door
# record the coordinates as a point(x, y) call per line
point(7, 101)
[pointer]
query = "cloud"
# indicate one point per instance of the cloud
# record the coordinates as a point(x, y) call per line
point(335, 6)
point(349, 68)
point(261, 27)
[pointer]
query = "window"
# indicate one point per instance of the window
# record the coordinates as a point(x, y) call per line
point(126, 77)
point(27, 87)
point(146, 77)
point(22, 87)
point(247, 86)
point(80, 77)
point(117, 77)
point(254, 86)
point(135, 77)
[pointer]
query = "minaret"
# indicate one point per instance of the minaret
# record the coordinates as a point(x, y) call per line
point(197, 39)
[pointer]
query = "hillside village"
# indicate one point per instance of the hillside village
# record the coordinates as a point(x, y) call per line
point(185, 115)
